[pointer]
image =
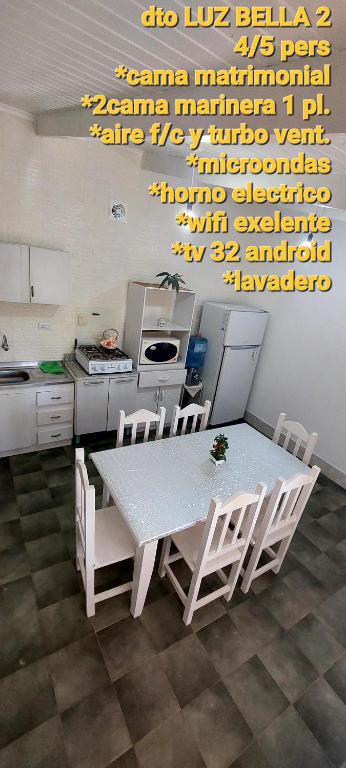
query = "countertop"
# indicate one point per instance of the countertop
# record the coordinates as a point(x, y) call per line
point(37, 377)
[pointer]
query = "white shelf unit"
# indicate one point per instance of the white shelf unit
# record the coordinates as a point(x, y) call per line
point(146, 304)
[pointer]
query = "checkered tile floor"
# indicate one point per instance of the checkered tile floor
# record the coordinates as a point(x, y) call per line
point(259, 683)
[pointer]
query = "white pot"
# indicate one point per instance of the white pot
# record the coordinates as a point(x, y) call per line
point(217, 463)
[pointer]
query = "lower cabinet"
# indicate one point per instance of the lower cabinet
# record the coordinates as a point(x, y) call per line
point(147, 399)
point(91, 407)
point(32, 418)
point(98, 402)
point(168, 398)
point(153, 399)
point(122, 397)
point(55, 415)
point(160, 389)
point(18, 428)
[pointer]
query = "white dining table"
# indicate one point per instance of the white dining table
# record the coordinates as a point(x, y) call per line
point(164, 486)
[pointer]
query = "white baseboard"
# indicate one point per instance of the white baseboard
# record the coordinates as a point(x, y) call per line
point(328, 470)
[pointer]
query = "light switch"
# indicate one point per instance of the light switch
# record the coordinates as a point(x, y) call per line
point(44, 326)
point(82, 319)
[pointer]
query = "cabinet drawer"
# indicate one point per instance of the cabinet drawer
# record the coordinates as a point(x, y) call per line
point(162, 378)
point(55, 434)
point(56, 395)
point(55, 415)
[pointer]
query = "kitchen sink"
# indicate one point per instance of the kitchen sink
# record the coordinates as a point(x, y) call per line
point(10, 376)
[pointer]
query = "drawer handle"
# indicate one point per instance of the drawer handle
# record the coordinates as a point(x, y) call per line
point(92, 383)
point(59, 435)
point(164, 378)
point(55, 418)
point(56, 398)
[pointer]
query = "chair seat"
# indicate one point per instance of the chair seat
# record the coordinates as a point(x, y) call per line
point(188, 542)
point(113, 539)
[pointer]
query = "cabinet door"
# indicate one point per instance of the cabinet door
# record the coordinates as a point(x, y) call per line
point(147, 398)
point(14, 271)
point(17, 420)
point(91, 406)
point(122, 396)
point(168, 398)
point(50, 276)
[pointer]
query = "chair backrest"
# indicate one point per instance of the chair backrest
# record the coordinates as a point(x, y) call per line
point(194, 411)
point(84, 507)
point(219, 541)
point(138, 418)
point(294, 431)
point(286, 505)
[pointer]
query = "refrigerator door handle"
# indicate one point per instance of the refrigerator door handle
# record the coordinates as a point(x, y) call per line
point(245, 346)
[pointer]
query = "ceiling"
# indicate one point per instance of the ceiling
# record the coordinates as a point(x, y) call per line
point(54, 51)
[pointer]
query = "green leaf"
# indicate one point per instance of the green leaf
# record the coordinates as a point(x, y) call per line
point(160, 274)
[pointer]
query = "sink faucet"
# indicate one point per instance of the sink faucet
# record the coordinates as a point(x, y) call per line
point(4, 343)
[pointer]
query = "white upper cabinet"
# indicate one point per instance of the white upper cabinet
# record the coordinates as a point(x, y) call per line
point(14, 271)
point(34, 275)
point(50, 276)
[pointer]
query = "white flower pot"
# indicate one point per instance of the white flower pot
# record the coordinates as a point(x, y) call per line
point(217, 463)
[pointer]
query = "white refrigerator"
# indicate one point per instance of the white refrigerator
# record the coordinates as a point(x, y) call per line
point(235, 333)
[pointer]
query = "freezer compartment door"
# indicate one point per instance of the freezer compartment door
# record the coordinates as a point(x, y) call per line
point(233, 389)
point(245, 328)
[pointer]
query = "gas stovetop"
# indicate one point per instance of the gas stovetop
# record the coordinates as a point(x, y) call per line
point(96, 359)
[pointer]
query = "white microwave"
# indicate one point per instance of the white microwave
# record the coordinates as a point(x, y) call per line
point(158, 350)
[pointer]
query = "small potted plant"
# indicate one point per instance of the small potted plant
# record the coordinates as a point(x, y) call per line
point(218, 452)
point(171, 281)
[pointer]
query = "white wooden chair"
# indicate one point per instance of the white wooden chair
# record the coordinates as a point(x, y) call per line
point(101, 539)
point(211, 546)
point(288, 431)
point(276, 524)
point(137, 419)
point(193, 411)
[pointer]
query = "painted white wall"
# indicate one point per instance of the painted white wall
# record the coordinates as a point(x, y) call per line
point(56, 193)
point(302, 369)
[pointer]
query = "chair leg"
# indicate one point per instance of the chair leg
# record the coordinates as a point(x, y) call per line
point(233, 578)
point(90, 593)
point(251, 568)
point(190, 606)
point(166, 546)
point(79, 550)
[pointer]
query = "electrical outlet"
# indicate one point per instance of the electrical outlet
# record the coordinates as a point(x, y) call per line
point(44, 326)
point(82, 319)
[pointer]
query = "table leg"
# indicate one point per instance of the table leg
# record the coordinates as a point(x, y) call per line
point(105, 496)
point(143, 568)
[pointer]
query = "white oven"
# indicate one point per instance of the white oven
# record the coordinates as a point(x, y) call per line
point(156, 350)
